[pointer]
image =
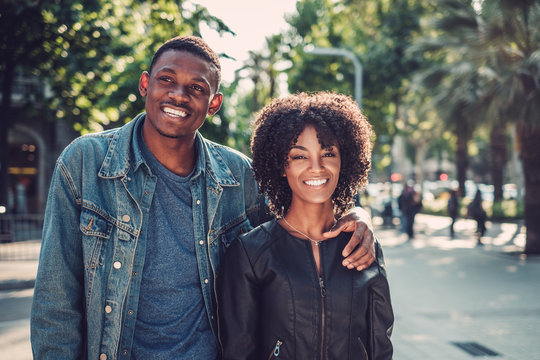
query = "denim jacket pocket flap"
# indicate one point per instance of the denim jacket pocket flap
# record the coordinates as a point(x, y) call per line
point(93, 224)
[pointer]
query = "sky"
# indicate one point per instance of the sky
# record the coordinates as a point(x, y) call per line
point(251, 20)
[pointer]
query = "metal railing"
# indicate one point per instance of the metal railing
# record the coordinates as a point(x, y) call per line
point(20, 236)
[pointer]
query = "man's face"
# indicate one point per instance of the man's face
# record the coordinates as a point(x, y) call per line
point(179, 92)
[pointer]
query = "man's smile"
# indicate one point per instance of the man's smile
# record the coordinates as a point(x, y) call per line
point(174, 112)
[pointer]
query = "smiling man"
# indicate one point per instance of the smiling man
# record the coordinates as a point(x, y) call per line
point(138, 219)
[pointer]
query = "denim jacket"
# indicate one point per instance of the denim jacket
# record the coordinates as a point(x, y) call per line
point(94, 239)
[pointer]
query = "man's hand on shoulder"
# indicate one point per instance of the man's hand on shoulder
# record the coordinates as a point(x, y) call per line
point(359, 253)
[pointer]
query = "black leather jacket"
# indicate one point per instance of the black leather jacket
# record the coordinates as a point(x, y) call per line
point(273, 304)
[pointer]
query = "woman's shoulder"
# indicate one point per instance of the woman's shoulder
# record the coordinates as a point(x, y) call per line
point(260, 238)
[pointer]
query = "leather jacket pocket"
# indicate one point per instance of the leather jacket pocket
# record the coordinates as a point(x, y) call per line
point(363, 350)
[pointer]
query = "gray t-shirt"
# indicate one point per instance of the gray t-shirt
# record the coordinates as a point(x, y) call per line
point(171, 320)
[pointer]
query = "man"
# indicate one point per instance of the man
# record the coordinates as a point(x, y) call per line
point(137, 220)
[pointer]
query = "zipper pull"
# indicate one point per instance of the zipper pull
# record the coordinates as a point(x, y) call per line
point(323, 288)
point(276, 349)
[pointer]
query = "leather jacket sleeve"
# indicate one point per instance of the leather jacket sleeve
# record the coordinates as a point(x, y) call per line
point(238, 314)
point(381, 314)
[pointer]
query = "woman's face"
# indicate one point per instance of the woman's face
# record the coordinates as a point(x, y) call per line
point(312, 172)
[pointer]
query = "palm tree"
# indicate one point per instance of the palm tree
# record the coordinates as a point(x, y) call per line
point(491, 66)
point(512, 36)
point(452, 76)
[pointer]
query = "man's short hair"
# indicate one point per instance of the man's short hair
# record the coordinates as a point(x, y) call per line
point(194, 45)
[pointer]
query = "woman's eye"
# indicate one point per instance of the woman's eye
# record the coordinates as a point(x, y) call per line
point(298, 157)
point(330, 154)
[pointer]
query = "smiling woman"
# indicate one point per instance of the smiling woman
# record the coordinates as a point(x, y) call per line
point(281, 285)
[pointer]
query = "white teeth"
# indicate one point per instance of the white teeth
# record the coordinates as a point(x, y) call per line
point(315, 182)
point(173, 112)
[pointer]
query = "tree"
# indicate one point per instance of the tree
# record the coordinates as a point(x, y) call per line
point(513, 32)
point(491, 70)
point(88, 54)
point(34, 37)
point(378, 32)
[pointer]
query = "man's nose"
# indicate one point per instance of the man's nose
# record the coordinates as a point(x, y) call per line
point(178, 92)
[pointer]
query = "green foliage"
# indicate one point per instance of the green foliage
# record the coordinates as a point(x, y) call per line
point(378, 32)
point(89, 55)
point(503, 210)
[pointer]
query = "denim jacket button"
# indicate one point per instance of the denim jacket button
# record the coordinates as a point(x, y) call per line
point(201, 242)
point(108, 310)
point(198, 202)
point(126, 218)
point(103, 357)
point(206, 281)
point(117, 265)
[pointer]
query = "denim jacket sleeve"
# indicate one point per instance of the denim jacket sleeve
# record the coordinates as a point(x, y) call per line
point(57, 317)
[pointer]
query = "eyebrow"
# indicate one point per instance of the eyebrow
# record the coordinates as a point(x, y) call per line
point(299, 147)
point(172, 72)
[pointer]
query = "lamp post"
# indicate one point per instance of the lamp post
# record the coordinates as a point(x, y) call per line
point(349, 55)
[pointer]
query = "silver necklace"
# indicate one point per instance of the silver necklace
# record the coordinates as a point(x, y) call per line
point(298, 231)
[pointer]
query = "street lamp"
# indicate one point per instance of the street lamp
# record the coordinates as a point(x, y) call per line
point(349, 55)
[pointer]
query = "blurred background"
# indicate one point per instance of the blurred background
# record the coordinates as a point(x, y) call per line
point(451, 87)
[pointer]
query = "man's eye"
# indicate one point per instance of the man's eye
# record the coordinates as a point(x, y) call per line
point(198, 88)
point(165, 79)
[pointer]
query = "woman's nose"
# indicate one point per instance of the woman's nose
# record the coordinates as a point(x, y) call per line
point(316, 164)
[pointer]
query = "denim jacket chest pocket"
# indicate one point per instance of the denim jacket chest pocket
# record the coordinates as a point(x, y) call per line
point(96, 231)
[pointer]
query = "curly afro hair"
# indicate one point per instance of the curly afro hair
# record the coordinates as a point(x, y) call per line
point(338, 121)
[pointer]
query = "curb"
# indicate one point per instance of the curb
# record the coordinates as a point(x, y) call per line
point(17, 284)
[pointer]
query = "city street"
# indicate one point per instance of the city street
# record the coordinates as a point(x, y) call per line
point(451, 298)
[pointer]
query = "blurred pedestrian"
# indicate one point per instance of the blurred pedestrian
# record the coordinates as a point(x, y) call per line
point(476, 211)
point(453, 209)
point(410, 204)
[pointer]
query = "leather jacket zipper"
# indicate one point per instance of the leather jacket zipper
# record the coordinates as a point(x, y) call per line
point(323, 317)
point(275, 352)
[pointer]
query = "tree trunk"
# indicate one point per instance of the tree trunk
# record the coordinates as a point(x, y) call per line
point(529, 136)
point(462, 162)
point(498, 160)
point(5, 124)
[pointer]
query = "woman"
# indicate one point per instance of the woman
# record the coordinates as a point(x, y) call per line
point(453, 210)
point(476, 211)
point(281, 291)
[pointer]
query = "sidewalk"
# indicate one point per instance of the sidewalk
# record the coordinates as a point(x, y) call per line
point(19, 274)
point(451, 298)
point(455, 300)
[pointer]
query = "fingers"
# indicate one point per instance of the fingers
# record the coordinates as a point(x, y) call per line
point(346, 224)
point(361, 256)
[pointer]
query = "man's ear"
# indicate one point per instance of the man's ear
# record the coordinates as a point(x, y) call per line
point(215, 104)
point(143, 83)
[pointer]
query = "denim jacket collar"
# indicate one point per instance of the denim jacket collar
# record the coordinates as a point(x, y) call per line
point(119, 156)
